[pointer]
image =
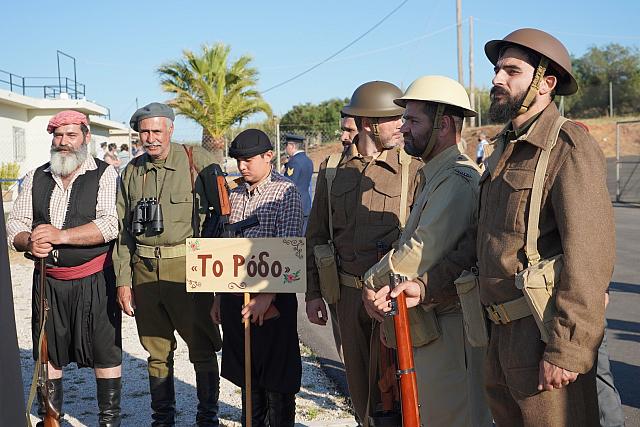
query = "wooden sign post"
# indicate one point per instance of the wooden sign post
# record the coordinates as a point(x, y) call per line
point(274, 265)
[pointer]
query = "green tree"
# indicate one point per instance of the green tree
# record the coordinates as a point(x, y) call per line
point(613, 63)
point(322, 119)
point(213, 92)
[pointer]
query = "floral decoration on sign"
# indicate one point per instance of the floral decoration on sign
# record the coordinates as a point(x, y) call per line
point(291, 277)
point(297, 244)
point(194, 245)
point(234, 285)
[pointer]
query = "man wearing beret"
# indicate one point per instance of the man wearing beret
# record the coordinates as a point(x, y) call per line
point(149, 261)
point(65, 213)
point(275, 354)
point(299, 169)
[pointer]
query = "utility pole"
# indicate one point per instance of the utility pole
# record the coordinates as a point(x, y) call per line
point(610, 99)
point(459, 25)
point(277, 124)
point(472, 89)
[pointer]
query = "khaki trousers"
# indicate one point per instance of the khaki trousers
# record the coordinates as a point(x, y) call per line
point(355, 331)
point(512, 367)
point(450, 383)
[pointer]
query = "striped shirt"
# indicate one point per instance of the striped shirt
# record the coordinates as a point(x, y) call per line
point(276, 202)
point(21, 217)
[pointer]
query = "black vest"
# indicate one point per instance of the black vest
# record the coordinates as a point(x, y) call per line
point(81, 210)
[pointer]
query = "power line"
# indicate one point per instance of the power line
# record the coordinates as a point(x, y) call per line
point(308, 70)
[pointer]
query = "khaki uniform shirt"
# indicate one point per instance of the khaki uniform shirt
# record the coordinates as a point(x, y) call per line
point(444, 209)
point(365, 202)
point(170, 183)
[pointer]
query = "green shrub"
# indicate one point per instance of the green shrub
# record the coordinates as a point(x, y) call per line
point(9, 170)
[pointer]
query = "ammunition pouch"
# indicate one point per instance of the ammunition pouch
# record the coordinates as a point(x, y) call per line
point(423, 324)
point(325, 258)
point(473, 314)
point(537, 283)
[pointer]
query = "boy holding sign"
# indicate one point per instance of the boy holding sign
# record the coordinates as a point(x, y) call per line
point(275, 355)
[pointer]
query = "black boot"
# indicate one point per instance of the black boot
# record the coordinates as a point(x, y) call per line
point(109, 401)
point(56, 397)
point(259, 408)
point(163, 401)
point(208, 389)
point(282, 409)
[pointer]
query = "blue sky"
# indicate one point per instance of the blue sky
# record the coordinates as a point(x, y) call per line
point(118, 45)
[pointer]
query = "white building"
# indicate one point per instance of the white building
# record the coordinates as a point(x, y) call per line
point(23, 127)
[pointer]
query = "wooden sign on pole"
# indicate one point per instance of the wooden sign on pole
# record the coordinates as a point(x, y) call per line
point(274, 264)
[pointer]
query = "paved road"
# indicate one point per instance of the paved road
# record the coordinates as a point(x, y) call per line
point(623, 316)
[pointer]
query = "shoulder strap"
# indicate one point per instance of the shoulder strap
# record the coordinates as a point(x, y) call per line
point(330, 174)
point(405, 162)
point(192, 167)
point(195, 218)
point(531, 248)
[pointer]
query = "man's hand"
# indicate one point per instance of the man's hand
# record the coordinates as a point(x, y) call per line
point(317, 311)
point(47, 233)
point(552, 376)
point(126, 300)
point(39, 249)
point(215, 311)
point(257, 307)
point(368, 299)
point(411, 291)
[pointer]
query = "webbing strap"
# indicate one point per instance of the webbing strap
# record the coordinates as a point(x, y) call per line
point(436, 127)
point(330, 174)
point(535, 85)
point(405, 162)
point(531, 248)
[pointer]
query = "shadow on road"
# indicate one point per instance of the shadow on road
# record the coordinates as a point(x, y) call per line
point(626, 376)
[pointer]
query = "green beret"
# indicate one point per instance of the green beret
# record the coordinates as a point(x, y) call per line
point(249, 143)
point(155, 109)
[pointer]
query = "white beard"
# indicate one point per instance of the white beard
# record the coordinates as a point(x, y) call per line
point(64, 163)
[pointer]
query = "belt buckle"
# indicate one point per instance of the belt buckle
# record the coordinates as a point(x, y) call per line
point(498, 314)
point(156, 252)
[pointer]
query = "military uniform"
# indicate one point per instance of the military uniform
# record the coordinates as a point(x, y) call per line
point(299, 169)
point(155, 262)
point(448, 368)
point(365, 200)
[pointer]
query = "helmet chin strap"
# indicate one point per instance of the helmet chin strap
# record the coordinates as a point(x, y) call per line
point(535, 85)
point(375, 129)
point(434, 131)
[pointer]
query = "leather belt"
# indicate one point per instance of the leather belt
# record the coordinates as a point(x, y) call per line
point(501, 314)
point(145, 251)
point(350, 280)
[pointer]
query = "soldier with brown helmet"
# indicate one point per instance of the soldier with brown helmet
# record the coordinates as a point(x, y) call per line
point(360, 204)
point(543, 203)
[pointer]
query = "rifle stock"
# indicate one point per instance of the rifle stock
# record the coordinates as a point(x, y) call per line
point(406, 367)
point(52, 416)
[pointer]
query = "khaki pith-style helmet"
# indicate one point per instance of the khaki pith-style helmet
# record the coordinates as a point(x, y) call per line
point(440, 90)
point(544, 44)
point(374, 99)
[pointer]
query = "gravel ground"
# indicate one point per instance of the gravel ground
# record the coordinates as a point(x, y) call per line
point(318, 402)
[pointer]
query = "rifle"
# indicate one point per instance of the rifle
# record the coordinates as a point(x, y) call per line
point(52, 416)
point(406, 372)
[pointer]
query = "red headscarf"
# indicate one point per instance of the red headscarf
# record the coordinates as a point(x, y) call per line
point(67, 117)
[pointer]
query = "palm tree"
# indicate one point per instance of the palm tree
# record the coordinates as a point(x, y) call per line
point(213, 92)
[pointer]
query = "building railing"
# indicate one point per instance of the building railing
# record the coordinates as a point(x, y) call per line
point(45, 87)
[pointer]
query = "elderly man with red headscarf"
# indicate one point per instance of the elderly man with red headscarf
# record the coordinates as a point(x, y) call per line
point(66, 214)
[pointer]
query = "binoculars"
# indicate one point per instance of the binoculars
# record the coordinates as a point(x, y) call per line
point(147, 213)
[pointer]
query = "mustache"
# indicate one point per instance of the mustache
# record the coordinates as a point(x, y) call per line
point(146, 145)
point(497, 90)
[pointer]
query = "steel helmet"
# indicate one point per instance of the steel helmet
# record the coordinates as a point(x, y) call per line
point(544, 44)
point(374, 99)
point(440, 90)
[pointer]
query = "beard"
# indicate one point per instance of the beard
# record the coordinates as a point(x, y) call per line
point(65, 161)
point(412, 150)
point(501, 111)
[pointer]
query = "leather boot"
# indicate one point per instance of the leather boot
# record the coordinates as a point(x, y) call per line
point(163, 401)
point(208, 390)
point(282, 409)
point(109, 401)
point(259, 408)
point(56, 394)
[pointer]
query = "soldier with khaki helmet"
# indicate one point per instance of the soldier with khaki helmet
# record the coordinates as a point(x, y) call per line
point(448, 367)
point(361, 201)
point(543, 204)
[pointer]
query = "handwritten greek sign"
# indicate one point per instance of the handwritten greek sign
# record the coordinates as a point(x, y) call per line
point(275, 264)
